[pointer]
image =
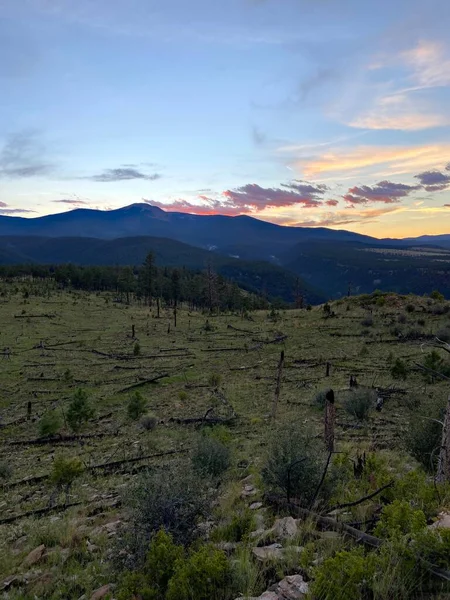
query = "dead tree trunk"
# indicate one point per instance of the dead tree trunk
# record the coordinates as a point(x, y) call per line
point(327, 373)
point(29, 410)
point(330, 418)
point(278, 387)
point(132, 331)
point(443, 471)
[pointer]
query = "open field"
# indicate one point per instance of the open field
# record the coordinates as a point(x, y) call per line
point(207, 367)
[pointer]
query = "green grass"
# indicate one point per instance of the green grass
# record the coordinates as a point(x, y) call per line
point(85, 328)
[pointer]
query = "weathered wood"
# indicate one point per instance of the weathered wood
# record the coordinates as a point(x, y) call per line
point(39, 511)
point(278, 386)
point(144, 382)
point(329, 420)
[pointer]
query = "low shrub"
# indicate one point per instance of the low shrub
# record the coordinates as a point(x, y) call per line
point(65, 470)
point(137, 349)
point(423, 436)
point(136, 406)
point(6, 471)
point(205, 574)
point(173, 499)
point(319, 399)
point(399, 369)
point(444, 334)
point(149, 422)
point(367, 321)
point(359, 402)
point(211, 456)
point(237, 529)
point(402, 318)
point(410, 308)
point(295, 464)
point(79, 411)
point(49, 424)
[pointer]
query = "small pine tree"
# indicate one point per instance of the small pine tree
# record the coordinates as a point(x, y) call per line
point(136, 406)
point(79, 411)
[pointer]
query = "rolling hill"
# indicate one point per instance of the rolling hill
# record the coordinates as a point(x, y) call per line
point(255, 276)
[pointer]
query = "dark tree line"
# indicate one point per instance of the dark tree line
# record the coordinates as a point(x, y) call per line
point(147, 284)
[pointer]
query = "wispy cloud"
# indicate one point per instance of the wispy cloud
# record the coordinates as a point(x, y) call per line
point(72, 202)
point(122, 174)
point(391, 159)
point(15, 211)
point(22, 156)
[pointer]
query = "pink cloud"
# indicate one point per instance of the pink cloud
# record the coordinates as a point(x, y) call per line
point(331, 202)
point(384, 191)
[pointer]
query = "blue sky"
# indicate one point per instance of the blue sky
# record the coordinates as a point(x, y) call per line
point(308, 112)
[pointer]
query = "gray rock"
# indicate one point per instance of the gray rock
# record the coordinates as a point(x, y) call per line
point(284, 529)
point(272, 552)
point(292, 587)
point(101, 592)
point(443, 521)
point(255, 505)
point(34, 556)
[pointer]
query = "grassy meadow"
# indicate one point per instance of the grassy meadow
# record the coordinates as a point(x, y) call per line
point(54, 342)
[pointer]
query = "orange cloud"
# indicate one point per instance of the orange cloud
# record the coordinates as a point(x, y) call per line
point(398, 159)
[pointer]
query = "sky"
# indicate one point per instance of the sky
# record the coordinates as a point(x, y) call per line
point(328, 113)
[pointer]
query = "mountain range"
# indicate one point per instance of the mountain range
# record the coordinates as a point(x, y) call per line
point(257, 254)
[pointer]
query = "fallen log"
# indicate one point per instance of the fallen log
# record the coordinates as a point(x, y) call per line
point(142, 383)
point(38, 512)
point(358, 535)
point(202, 420)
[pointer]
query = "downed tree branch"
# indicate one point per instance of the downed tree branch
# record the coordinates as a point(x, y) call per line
point(364, 498)
point(39, 511)
point(202, 420)
point(359, 536)
point(142, 383)
point(432, 371)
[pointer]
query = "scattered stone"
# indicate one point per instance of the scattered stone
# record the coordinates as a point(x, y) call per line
point(284, 529)
point(112, 527)
point(272, 552)
point(101, 592)
point(10, 581)
point(249, 490)
point(292, 587)
point(34, 556)
point(255, 505)
point(443, 521)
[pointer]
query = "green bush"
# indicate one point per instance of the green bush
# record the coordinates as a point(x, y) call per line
point(319, 399)
point(399, 519)
point(204, 575)
point(151, 583)
point(444, 334)
point(210, 457)
point(135, 585)
point(399, 369)
point(137, 349)
point(149, 422)
point(410, 308)
point(295, 464)
point(423, 436)
point(173, 499)
point(359, 402)
point(435, 362)
point(6, 471)
point(237, 529)
point(49, 424)
point(136, 406)
point(436, 295)
point(65, 470)
point(79, 411)
point(346, 576)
